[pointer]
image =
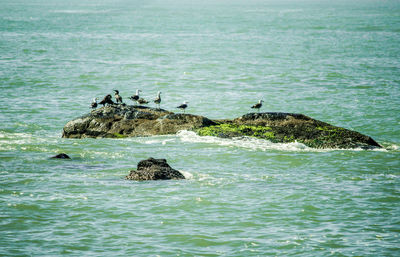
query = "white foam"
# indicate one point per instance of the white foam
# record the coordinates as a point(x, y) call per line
point(80, 11)
point(162, 141)
point(15, 138)
point(7, 138)
point(186, 174)
point(8, 135)
point(23, 19)
point(242, 142)
point(393, 147)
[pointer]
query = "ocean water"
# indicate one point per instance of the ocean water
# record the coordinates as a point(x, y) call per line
point(336, 61)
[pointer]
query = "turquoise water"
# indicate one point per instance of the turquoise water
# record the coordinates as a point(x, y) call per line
point(334, 61)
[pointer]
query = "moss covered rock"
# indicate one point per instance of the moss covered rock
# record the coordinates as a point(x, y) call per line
point(230, 130)
point(290, 127)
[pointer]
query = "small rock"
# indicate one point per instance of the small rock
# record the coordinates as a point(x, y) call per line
point(154, 169)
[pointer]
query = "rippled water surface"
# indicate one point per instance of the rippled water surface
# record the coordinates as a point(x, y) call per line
point(338, 62)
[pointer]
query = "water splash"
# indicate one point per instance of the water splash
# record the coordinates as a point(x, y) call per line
point(262, 144)
point(392, 147)
point(186, 174)
point(242, 142)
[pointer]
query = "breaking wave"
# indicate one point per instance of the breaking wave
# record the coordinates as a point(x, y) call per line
point(260, 144)
point(242, 142)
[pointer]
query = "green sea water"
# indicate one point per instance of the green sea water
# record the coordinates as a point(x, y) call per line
point(336, 61)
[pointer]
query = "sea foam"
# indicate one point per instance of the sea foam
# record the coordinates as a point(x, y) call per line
point(242, 142)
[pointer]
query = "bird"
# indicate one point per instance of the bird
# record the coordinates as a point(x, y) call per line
point(135, 97)
point(142, 101)
point(94, 103)
point(258, 105)
point(157, 100)
point(118, 98)
point(183, 106)
point(106, 100)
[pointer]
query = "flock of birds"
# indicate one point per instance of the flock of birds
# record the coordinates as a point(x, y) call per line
point(107, 100)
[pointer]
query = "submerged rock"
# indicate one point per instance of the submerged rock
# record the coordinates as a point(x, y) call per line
point(154, 169)
point(60, 156)
point(120, 121)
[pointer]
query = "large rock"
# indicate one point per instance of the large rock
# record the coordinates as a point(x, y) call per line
point(130, 121)
point(290, 127)
point(154, 169)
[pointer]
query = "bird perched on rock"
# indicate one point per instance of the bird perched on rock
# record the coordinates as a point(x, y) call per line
point(183, 106)
point(157, 100)
point(135, 97)
point(118, 98)
point(142, 101)
point(258, 105)
point(94, 103)
point(106, 100)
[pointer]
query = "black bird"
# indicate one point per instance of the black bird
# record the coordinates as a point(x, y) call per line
point(258, 105)
point(106, 100)
point(158, 99)
point(135, 98)
point(118, 98)
point(183, 106)
point(94, 103)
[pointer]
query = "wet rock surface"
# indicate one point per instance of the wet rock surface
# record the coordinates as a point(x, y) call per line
point(154, 169)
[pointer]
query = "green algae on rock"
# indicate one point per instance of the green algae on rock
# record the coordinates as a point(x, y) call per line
point(233, 130)
point(290, 127)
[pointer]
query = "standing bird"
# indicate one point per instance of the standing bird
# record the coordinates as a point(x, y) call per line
point(118, 98)
point(94, 103)
point(106, 100)
point(258, 105)
point(135, 97)
point(183, 106)
point(158, 99)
